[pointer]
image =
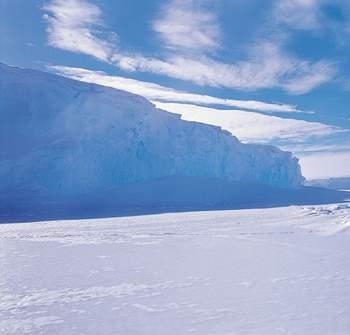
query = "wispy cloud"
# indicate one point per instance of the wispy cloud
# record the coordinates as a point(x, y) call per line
point(77, 26)
point(298, 14)
point(251, 126)
point(186, 25)
point(310, 75)
point(268, 66)
point(158, 93)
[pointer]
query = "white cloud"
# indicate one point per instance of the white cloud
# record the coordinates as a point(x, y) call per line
point(160, 93)
point(251, 126)
point(76, 25)
point(303, 149)
point(309, 76)
point(298, 14)
point(267, 67)
point(183, 24)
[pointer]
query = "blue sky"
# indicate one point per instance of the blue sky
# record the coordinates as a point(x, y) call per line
point(273, 71)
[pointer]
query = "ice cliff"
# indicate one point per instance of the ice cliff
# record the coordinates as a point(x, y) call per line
point(59, 136)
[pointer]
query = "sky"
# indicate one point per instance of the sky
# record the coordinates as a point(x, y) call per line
point(273, 71)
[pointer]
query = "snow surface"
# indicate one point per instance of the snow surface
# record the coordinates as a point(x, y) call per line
point(247, 272)
point(59, 136)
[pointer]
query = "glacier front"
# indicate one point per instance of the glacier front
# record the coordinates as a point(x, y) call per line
point(65, 137)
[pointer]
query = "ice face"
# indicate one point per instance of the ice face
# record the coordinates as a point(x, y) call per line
point(60, 136)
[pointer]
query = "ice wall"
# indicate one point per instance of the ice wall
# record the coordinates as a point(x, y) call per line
point(59, 136)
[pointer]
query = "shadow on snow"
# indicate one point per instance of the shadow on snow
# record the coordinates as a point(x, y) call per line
point(161, 196)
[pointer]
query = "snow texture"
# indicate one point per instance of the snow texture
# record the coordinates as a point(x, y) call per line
point(64, 137)
point(247, 272)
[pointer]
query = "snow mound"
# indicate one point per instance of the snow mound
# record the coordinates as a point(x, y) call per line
point(64, 137)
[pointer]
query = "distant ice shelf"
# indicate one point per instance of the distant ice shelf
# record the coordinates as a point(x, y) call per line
point(64, 137)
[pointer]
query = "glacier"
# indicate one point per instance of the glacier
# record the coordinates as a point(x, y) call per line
point(68, 138)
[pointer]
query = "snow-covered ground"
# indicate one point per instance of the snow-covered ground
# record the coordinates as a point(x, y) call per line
point(254, 272)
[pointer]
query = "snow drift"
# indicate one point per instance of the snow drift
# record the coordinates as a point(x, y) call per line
point(64, 137)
